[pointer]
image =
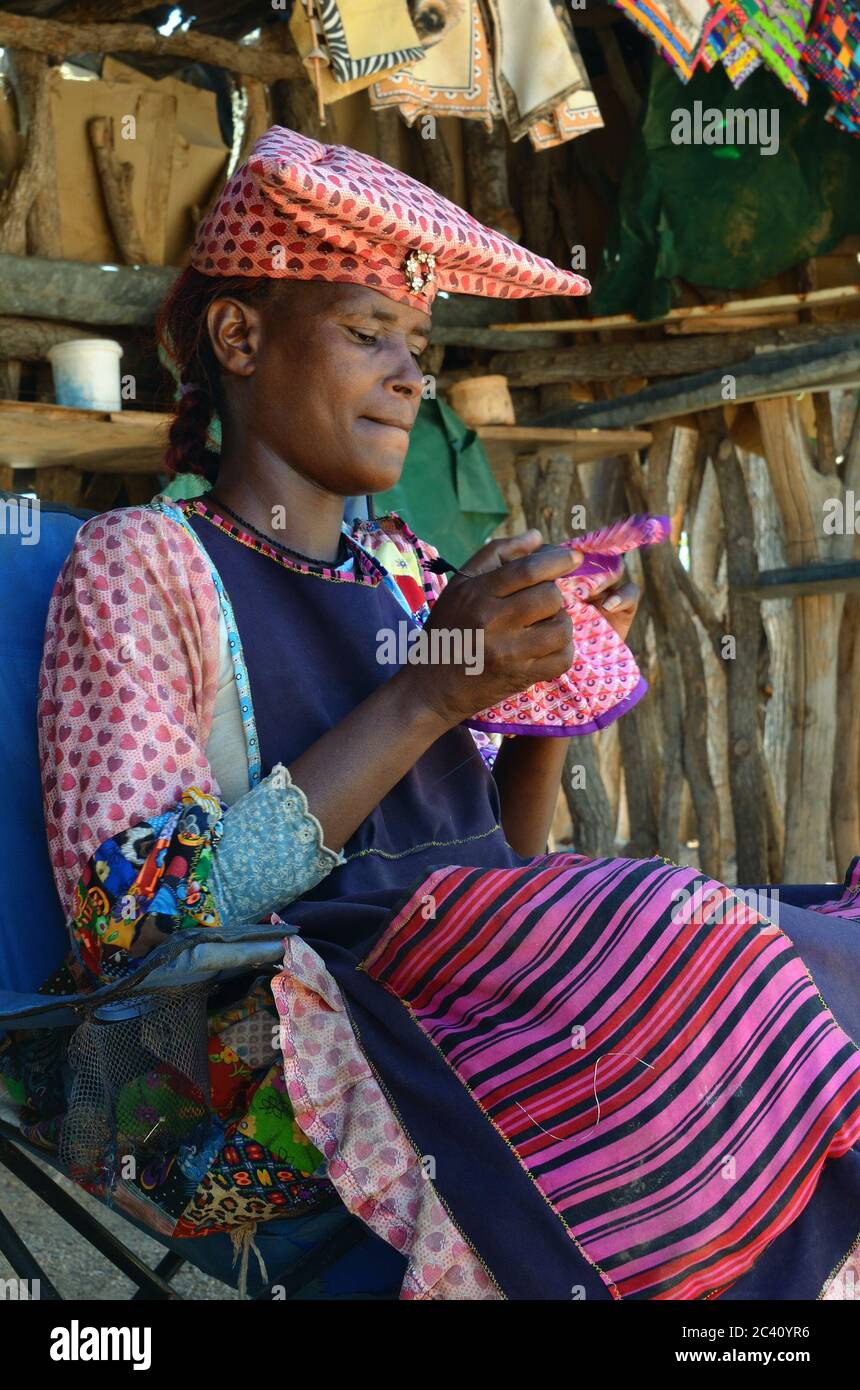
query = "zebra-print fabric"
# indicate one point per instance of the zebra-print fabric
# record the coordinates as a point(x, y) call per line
point(655, 1053)
point(344, 66)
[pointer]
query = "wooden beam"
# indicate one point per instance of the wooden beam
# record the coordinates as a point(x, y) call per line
point(33, 287)
point(626, 357)
point(61, 40)
point(30, 340)
point(768, 375)
point(458, 335)
point(829, 577)
point(86, 292)
point(775, 303)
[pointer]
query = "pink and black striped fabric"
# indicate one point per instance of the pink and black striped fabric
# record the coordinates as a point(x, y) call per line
point(653, 1050)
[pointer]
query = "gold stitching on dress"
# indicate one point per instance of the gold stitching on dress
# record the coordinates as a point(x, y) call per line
point(428, 844)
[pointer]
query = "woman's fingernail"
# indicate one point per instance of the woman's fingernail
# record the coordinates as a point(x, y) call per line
point(612, 603)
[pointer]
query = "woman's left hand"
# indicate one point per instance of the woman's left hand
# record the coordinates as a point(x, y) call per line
point(618, 603)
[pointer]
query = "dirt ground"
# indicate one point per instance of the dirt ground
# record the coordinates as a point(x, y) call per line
point(75, 1267)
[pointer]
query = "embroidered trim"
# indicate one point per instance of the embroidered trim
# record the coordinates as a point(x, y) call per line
point(373, 575)
point(283, 773)
point(373, 572)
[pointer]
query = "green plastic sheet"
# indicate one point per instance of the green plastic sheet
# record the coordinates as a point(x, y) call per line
point(447, 492)
point(725, 216)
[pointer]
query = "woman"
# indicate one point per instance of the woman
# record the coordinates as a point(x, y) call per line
point(536, 1076)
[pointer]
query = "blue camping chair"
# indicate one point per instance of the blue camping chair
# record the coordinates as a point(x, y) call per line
point(330, 1254)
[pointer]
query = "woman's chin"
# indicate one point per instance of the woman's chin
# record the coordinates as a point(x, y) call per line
point(384, 474)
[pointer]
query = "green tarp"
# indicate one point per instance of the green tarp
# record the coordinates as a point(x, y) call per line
point(447, 493)
point(725, 216)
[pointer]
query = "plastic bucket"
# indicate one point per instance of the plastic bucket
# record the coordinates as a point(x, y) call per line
point(86, 373)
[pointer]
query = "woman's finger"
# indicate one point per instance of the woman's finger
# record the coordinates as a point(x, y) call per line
point(550, 562)
point(500, 552)
point(618, 605)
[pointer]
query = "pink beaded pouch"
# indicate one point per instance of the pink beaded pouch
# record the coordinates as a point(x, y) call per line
point(604, 680)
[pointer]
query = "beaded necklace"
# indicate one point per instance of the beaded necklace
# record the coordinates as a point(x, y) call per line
point(342, 549)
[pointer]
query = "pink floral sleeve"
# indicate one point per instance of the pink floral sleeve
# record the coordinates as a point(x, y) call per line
point(127, 685)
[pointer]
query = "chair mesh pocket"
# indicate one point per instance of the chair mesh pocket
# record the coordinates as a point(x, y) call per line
point(140, 1083)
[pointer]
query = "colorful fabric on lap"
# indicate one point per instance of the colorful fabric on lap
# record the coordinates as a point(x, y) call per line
point(662, 1066)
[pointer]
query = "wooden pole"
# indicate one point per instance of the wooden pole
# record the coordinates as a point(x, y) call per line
point(116, 177)
point(29, 212)
point(747, 769)
point(801, 493)
point(845, 798)
point(61, 40)
point(486, 158)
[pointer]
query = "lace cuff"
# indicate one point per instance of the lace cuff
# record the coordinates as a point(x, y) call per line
point(270, 853)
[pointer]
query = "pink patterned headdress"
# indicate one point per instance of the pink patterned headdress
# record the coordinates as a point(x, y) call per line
point(301, 210)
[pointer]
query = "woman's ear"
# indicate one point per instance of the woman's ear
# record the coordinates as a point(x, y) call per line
point(235, 332)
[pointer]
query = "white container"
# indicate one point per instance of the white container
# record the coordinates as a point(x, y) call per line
point(86, 373)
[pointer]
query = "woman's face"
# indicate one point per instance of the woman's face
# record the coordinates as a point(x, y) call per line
point(331, 383)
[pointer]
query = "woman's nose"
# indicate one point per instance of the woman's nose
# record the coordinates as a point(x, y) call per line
point(407, 379)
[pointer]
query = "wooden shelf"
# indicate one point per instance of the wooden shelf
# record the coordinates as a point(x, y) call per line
point(584, 446)
point(34, 435)
point(133, 441)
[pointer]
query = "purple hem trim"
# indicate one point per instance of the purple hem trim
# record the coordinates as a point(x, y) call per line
point(565, 731)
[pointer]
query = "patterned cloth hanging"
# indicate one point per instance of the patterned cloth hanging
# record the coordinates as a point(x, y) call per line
point(575, 116)
point(833, 53)
point(367, 36)
point(538, 66)
point(679, 30)
point(454, 78)
point(777, 30)
point(727, 45)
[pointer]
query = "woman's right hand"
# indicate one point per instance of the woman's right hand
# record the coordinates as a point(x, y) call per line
point(507, 593)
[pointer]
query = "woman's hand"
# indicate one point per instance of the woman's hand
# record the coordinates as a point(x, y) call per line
point(618, 603)
point(506, 594)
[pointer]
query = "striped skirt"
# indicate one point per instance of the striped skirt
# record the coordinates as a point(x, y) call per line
point(628, 1081)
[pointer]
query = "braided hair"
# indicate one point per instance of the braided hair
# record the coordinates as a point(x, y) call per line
point(183, 336)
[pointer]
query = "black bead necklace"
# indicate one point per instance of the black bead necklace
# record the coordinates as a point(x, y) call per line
point(342, 549)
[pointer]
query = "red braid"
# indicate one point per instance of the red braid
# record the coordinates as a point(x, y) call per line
point(181, 330)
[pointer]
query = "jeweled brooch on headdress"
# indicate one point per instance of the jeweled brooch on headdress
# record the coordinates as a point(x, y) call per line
point(419, 269)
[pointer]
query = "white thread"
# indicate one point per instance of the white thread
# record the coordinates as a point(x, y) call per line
point(650, 1065)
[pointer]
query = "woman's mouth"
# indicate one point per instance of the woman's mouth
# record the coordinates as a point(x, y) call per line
point(389, 423)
